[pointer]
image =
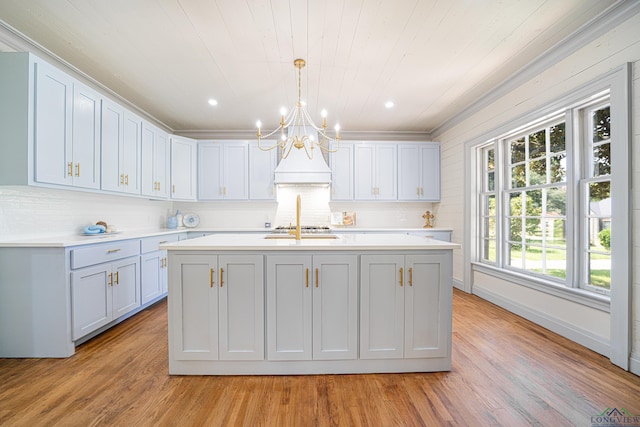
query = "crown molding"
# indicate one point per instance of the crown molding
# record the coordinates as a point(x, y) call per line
point(615, 15)
point(345, 135)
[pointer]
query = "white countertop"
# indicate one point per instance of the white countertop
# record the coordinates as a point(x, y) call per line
point(62, 241)
point(344, 241)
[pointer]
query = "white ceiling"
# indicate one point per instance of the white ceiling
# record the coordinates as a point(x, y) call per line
point(433, 58)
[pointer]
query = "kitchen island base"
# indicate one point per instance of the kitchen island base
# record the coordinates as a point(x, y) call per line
point(363, 304)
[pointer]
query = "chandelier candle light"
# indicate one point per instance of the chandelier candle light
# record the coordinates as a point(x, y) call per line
point(302, 123)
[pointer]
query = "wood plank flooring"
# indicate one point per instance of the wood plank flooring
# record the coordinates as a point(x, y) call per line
point(506, 371)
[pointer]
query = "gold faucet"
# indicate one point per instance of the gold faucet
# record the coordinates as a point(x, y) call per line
point(298, 209)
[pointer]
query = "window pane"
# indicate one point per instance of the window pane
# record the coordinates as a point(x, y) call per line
point(602, 159)
point(534, 203)
point(489, 227)
point(555, 232)
point(556, 201)
point(599, 235)
point(491, 181)
point(518, 176)
point(600, 271)
point(489, 250)
point(515, 229)
point(557, 263)
point(515, 256)
point(600, 191)
point(533, 230)
point(491, 160)
point(537, 146)
point(556, 136)
point(558, 168)
point(601, 124)
point(517, 151)
point(538, 172)
point(489, 208)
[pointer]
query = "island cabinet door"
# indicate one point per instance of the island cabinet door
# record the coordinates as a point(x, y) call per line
point(427, 306)
point(241, 307)
point(289, 293)
point(335, 307)
point(193, 307)
point(381, 306)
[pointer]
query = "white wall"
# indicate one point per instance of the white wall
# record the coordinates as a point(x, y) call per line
point(614, 48)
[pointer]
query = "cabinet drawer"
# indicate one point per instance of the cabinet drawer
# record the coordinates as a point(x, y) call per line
point(445, 236)
point(83, 257)
point(150, 244)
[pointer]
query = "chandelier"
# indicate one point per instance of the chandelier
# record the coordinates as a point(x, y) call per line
point(303, 128)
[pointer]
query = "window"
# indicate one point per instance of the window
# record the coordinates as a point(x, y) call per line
point(544, 198)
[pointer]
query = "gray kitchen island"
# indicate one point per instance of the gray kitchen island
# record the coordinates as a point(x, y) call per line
point(348, 303)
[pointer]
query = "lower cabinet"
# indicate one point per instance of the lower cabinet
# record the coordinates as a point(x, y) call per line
point(217, 307)
point(153, 271)
point(102, 293)
point(312, 307)
point(404, 310)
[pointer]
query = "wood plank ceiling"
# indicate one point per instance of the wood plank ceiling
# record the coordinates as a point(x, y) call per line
point(432, 58)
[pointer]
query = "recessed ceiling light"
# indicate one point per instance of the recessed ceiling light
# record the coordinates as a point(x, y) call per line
point(389, 104)
point(213, 102)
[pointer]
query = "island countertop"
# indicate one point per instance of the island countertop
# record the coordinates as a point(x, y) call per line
point(339, 242)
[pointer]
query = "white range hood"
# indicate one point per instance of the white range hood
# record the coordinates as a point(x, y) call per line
point(298, 168)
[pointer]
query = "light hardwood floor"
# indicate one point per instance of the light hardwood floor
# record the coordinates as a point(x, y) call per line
point(506, 371)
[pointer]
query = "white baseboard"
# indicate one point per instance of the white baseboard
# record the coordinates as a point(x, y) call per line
point(634, 364)
point(581, 336)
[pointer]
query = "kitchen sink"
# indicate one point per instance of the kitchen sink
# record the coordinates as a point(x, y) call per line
point(303, 236)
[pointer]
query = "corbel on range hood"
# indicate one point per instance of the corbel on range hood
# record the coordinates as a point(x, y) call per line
point(298, 168)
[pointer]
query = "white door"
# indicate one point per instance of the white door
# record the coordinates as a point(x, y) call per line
point(86, 137)
point(183, 169)
point(91, 299)
point(409, 179)
point(241, 307)
point(52, 135)
point(111, 146)
point(209, 173)
point(335, 307)
point(430, 159)
point(381, 307)
point(131, 143)
point(234, 168)
point(364, 172)
point(126, 286)
point(262, 165)
point(426, 295)
point(342, 172)
point(193, 307)
point(151, 272)
point(289, 307)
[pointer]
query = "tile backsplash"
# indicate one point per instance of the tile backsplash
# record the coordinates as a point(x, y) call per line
point(27, 212)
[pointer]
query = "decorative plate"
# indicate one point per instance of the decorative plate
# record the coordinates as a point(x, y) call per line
point(191, 220)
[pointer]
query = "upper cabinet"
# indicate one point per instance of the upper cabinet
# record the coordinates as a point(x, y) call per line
point(155, 162)
point(183, 168)
point(121, 149)
point(341, 163)
point(222, 170)
point(375, 171)
point(419, 171)
point(262, 165)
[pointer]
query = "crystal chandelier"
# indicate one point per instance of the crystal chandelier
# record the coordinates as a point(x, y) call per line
point(304, 128)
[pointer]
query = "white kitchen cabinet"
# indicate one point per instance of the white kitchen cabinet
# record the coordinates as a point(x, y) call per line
point(102, 293)
point(375, 166)
point(217, 305)
point(419, 172)
point(155, 162)
point(262, 165)
point(403, 306)
point(311, 307)
point(154, 266)
point(342, 163)
point(183, 168)
point(121, 149)
point(85, 136)
point(222, 170)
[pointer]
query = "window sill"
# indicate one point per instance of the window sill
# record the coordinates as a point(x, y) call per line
point(579, 296)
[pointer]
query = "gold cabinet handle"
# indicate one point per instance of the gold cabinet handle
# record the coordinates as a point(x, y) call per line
point(418, 191)
point(211, 277)
point(307, 277)
point(117, 282)
point(77, 169)
point(316, 277)
point(163, 242)
point(121, 179)
point(174, 188)
point(110, 279)
point(410, 276)
point(401, 279)
point(221, 271)
point(70, 166)
point(225, 190)
point(113, 251)
point(126, 179)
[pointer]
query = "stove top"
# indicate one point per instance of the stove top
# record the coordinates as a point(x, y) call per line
point(304, 229)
